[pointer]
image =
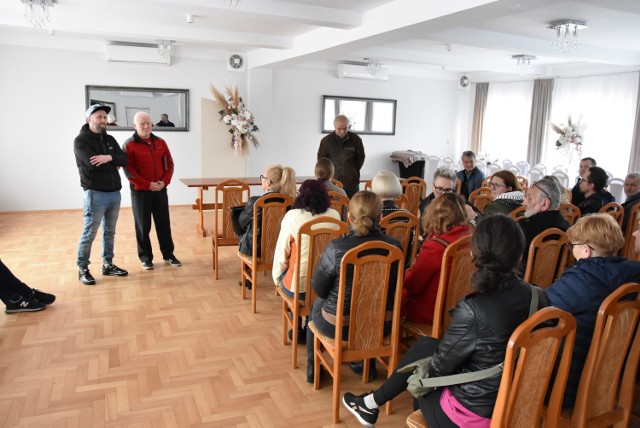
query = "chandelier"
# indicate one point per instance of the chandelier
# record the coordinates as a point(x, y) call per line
point(233, 3)
point(373, 66)
point(568, 34)
point(165, 48)
point(523, 62)
point(37, 12)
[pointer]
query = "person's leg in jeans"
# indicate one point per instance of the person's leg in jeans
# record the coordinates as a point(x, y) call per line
point(109, 225)
point(94, 208)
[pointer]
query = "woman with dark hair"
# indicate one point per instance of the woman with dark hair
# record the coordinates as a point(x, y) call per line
point(476, 338)
point(312, 201)
point(444, 222)
point(506, 193)
point(365, 211)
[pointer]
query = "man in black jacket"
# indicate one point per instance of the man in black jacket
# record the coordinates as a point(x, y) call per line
point(98, 157)
point(346, 151)
point(593, 186)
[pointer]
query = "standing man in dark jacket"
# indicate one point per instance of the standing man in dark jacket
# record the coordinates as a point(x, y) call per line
point(345, 150)
point(149, 171)
point(98, 157)
point(592, 186)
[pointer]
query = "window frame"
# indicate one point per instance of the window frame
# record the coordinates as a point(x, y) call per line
point(368, 114)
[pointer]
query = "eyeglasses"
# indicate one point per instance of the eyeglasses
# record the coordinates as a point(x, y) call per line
point(573, 244)
point(262, 177)
point(496, 185)
point(440, 190)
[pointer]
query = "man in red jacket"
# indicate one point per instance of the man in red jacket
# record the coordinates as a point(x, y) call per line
point(149, 171)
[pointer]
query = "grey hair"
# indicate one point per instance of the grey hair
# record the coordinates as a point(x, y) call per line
point(633, 175)
point(341, 118)
point(386, 185)
point(551, 190)
point(468, 154)
point(445, 172)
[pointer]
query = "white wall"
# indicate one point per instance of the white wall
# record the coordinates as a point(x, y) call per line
point(42, 109)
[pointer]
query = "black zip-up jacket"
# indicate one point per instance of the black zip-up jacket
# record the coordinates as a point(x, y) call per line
point(347, 156)
point(104, 178)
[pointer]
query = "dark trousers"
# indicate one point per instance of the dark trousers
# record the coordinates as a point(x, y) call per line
point(145, 204)
point(10, 286)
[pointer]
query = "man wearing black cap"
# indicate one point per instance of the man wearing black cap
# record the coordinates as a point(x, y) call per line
point(98, 157)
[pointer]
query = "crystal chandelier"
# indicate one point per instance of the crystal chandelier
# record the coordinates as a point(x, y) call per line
point(568, 34)
point(373, 66)
point(233, 3)
point(523, 62)
point(37, 12)
point(165, 48)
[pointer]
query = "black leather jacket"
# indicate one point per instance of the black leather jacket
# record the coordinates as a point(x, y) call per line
point(245, 220)
point(326, 278)
point(477, 337)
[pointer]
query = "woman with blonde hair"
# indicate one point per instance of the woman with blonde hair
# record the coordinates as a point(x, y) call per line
point(365, 211)
point(506, 193)
point(594, 241)
point(444, 222)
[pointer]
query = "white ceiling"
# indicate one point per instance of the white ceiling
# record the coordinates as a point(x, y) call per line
point(428, 38)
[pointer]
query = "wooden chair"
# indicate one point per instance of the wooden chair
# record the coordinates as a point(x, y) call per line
point(318, 232)
point(605, 393)
point(479, 191)
point(547, 257)
point(268, 212)
point(458, 185)
point(536, 174)
point(416, 180)
point(370, 273)
point(229, 193)
point(337, 183)
point(487, 182)
point(339, 202)
point(367, 185)
point(455, 283)
point(629, 239)
point(518, 213)
point(405, 228)
point(570, 212)
point(615, 210)
point(528, 366)
point(415, 189)
point(402, 201)
point(481, 201)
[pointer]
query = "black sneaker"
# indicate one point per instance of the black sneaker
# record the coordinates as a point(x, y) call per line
point(302, 335)
point(173, 261)
point(85, 277)
point(40, 296)
point(355, 404)
point(22, 304)
point(113, 270)
point(147, 265)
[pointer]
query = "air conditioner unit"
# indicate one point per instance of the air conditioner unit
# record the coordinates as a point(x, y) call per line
point(136, 54)
point(351, 71)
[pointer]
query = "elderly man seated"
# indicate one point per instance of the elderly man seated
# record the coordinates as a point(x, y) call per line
point(542, 201)
point(592, 186)
point(632, 191)
point(470, 177)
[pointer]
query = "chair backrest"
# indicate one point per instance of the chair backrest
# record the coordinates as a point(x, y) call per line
point(405, 228)
point(402, 201)
point(542, 167)
point(492, 168)
point(455, 282)
point(609, 373)
point(415, 192)
point(268, 212)
point(528, 366)
point(561, 168)
point(458, 185)
point(317, 232)
point(339, 202)
point(337, 183)
point(481, 201)
point(370, 266)
point(562, 176)
point(547, 257)
point(514, 169)
point(524, 167)
point(629, 239)
point(616, 188)
point(524, 183)
point(433, 163)
point(448, 162)
point(367, 185)
point(570, 212)
point(518, 213)
point(615, 210)
point(535, 174)
point(506, 164)
point(487, 183)
point(481, 166)
point(229, 193)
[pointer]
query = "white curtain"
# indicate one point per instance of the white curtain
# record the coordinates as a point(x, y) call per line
point(505, 132)
point(607, 106)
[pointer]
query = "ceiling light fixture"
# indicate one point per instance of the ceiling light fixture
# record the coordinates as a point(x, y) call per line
point(523, 62)
point(37, 12)
point(233, 3)
point(165, 48)
point(568, 34)
point(373, 66)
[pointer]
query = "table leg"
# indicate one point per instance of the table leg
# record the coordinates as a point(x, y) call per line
point(200, 204)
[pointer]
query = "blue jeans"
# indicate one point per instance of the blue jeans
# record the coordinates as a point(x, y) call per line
point(99, 207)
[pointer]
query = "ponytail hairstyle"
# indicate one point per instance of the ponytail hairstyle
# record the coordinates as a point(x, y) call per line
point(496, 247)
point(365, 209)
point(283, 180)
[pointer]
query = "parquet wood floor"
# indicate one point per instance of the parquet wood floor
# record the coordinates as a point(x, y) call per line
point(170, 347)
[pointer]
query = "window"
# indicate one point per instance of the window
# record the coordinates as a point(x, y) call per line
point(366, 115)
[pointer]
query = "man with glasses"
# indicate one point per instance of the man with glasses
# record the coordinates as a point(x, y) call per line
point(576, 195)
point(444, 181)
point(542, 201)
point(470, 177)
point(592, 186)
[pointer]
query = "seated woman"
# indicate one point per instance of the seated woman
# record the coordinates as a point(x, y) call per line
point(480, 327)
point(324, 172)
point(312, 201)
point(445, 221)
point(506, 193)
point(594, 241)
point(364, 214)
point(387, 185)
